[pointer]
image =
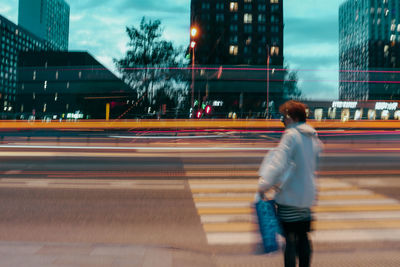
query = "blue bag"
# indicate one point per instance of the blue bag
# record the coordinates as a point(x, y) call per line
point(268, 224)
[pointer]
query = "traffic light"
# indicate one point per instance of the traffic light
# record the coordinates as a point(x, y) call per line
point(208, 109)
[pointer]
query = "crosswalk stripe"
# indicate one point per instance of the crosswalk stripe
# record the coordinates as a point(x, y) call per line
point(366, 215)
point(228, 217)
point(254, 188)
point(250, 198)
point(323, 236)
point(317, 225)
point(322, 203)
point(247, 210)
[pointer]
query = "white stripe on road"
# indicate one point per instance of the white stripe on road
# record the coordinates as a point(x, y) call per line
point(167, 137)
point(322, 203)
point(139, 148)
point(360, 192)
point(365, 215)
point(93, 184)
point(217, 218)
point(324, 216)
point(322, 236)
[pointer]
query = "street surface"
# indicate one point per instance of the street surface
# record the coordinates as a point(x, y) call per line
point(184, 199)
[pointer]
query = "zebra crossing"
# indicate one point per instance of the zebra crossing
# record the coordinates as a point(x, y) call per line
point(344, 212)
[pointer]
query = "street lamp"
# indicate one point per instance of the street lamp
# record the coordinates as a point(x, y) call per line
point(268, 59)
point(193, 34)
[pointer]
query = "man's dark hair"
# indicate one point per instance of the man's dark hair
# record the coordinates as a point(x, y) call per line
point(295, 110)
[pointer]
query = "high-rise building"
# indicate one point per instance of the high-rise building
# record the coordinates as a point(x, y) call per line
point(238, 31)
point(369, 49)
point(230, 33)
point(47, 19)
point(13, 40)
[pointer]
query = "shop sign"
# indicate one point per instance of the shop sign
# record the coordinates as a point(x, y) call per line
point(386, 105)
point(218, 103)
point(344, 104)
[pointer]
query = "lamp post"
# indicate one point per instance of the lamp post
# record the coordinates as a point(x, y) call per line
point(268, 59)
point(193, 34)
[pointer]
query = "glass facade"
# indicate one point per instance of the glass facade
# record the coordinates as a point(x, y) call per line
point(13, 40)
point(47, 19)
point(369, 36)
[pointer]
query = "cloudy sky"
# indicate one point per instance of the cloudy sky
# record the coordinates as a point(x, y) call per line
point(311, 33)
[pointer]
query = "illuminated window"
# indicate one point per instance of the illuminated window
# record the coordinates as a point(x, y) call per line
point(248, 40)
point(274, 50)
point(274, 1)
point(248, 18)
point(233, 6)
point(247, 1)
point(233, 50)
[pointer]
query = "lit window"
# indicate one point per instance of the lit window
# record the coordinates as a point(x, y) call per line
point(233, 50)
point(247, 1)
point(274, 1)
point(248, 40)
point(248, 18)
point(44, 107)
point(34, 75)
point(56, 97)
point(56, 75)
point(233, 6)
point(274, 50)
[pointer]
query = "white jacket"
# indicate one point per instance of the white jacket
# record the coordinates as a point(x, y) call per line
point(300, 145)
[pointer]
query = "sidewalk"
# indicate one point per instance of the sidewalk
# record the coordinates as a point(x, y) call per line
point(15, 254)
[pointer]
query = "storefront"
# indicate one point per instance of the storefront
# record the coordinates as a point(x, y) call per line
point(353, 110)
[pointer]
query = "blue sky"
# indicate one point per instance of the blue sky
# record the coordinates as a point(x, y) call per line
point(311, 33)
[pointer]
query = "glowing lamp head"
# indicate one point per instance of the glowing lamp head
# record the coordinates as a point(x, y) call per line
point(208, 109)
point(198, 115)
point(193, 32)
point(192, 44)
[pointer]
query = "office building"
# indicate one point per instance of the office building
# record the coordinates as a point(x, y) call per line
point(47, 19)
point(369, 50)
point(14, 39)
point(233, 33)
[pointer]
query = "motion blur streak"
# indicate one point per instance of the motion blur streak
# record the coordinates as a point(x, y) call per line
point(193, 124)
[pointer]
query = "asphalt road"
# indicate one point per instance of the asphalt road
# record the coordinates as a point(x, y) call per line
point(140, 189)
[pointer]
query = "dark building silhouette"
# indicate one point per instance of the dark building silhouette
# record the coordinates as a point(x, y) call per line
point(239, 34)
point(61, 84)
point(369, 50)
